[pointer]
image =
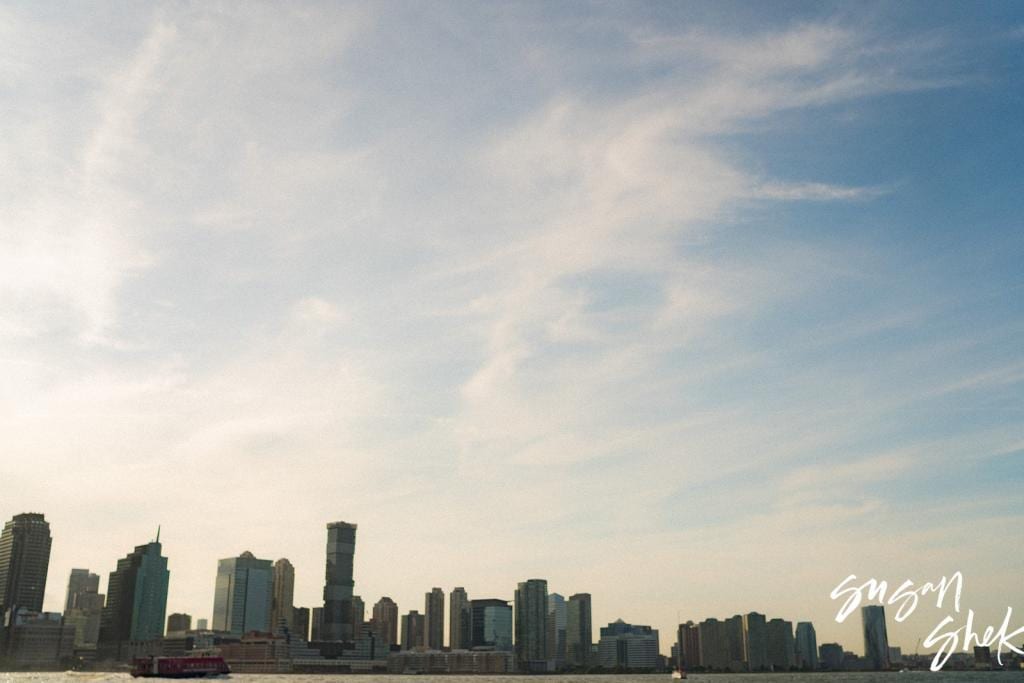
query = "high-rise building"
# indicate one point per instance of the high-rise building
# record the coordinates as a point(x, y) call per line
point(579, 632)
point(714, 649)
point(781, 650)
point(490, 625)
point(806, 646)
point(876, 639)
point(85, 617)
point(433, 617)
point(412, 630)
point(531, 625)
point(243, 595)
point(81, 581)
point(283, 596)
point(458, 619)
point(732, 629)
point(136, 600)
point(338, 584)
point(24, 562)
point(556, 633)
point(628, 647)
point(688, 642)
point(202, 624)
point(300, 622)
point(358, 615)
point(385, 621)
point(179, 623)
point(755, 641)
point(831, 656)
point(316, 624)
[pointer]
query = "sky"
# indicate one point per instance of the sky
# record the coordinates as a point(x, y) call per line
point(696, 307)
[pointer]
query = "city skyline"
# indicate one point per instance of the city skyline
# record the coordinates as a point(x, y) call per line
point(698, 308)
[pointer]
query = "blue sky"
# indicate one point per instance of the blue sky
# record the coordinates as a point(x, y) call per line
point(696, 307)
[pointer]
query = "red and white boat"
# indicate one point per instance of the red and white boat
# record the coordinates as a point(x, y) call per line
point(180, 667)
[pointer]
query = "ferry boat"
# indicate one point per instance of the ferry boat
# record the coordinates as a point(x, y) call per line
point(211, 666)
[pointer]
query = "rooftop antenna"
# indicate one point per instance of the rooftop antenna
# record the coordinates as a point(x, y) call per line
point(157, 533)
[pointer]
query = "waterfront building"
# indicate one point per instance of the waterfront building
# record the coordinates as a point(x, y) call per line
point(202, 624)
point(490, 625)
point(300, 622)
point(179, 623)
point(85, 618)
point(531, 625)
point(282, 596)
point(781, 650)
point(412, 630)
point(714, 652)
point(755, 641)
point(732, 630)
point(458, 619)
point(806, 646)
point(338, 586)
point(454, 662)
point(39, 641)
point(433, 615)
point(316, 624)
point(579, 633)
point(81, 581)
point(136, 600)
point(358, 615)
point(831, 656)
point(628, 647)
point(24, 562)
point(243, 595)
point(556, 633)
point(688, 641)
point(876, 639)
point(385, 621)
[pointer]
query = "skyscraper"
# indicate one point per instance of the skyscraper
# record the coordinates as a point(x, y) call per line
point(24, 562)
point(458, 619)
point(243, 595)
point(876, 639)
point(556, 632)
point(806, 646)
point(755, 641)
point(385, 621)
point(81, 581)
point(490, 625)
point(433, 617)
point(714, 649)
point(136, 599)
point(531, 625)
point(781, 650)
point(316, 624)
point(732, 629)
point(338, 584)
point(579, 633)
point(689, 646)
point(300, 622)
point(412, 630)
point(283, 595)
point(179, 622)
point(628, 646)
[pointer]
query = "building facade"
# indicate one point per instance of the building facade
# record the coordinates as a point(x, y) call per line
point(755, 641)
point(243, 595)
point(628, 647)
point(806, 646)
point(433, 615)
point(531, 625)
point(24, 562)
point(412, 630)
point(80, 582)
point(490, 625)
point(556, 633)
point(339, 583)
point(579, 633)
point(179, 622)
point(781, 649)
point(385, 621)
point(282, 596)
point(876, 638)
point(136, 600)
point(458, 619)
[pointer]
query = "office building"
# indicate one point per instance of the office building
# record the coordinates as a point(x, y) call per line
point(358, 615)
point(243, 595)
point(282, 596)
point(433, 616)
point(579, 633)
point(81, 581)
point(806, 646)
point(412, 630)
point(202, 624)
point(490, 625)
point(136, 600)
point(876, 639)
point(179, 622)
point(300, 622)
point(830, 655)
point(688, 643)
point(339, 584)
point(628, 647)
point(85, 618)
point(39, 641)
point(458, 619)
point(531, 625)
point(781, 649)
point(24, 561)
point(385, 621)
point(755, 641)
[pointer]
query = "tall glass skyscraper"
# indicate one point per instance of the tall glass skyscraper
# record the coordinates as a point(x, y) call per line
point(579, 633)
point(806, 646)
point(876, 639)
point(490, 624)
point(338, 585)
point(24, 562)
point(243, 595)
point(136, 599)
point(531, 625)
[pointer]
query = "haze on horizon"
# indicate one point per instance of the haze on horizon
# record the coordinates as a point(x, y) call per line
point(698, 308)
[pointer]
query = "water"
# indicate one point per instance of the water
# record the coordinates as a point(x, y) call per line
point(844, 677)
